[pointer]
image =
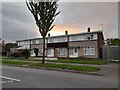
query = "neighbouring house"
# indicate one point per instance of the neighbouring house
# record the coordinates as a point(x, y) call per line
point(88, 44)
point(2, 44)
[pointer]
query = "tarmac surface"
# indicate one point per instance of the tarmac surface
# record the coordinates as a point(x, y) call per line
point(20, 77)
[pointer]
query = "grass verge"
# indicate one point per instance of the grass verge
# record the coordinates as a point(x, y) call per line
point(55, 66)
point(68, 67)
point(15, 62)
point(78, 61)
point(97, 62)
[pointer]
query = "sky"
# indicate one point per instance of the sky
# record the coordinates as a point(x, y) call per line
point(75, 17)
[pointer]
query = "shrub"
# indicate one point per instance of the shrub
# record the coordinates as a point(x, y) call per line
point(25, 53)
point(83, 58)
point(16, 54)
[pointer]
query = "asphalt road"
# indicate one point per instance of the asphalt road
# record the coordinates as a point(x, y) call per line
point(37, 78)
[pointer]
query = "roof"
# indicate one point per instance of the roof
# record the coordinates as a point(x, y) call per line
point(62, 35)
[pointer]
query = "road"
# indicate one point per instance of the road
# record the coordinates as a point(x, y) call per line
point(38, 78)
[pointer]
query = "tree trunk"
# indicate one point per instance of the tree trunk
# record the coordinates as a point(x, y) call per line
point(68, 47)
point(43, 59)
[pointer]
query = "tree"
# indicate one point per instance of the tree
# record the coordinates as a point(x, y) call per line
point(2, 44)
point(26, 53)
point(9, 45)
point(36, 51)
point(44, 14)
point(113, 41)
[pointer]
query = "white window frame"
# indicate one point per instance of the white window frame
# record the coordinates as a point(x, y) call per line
point(50, 52)
point(40, 52)
point(72, 50)
point(62, 51)
point(89, 50)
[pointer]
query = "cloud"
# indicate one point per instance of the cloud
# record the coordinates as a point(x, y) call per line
point(81, 15)
point(18, 22)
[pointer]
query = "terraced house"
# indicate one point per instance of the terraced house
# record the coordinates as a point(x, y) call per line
point(88, 44)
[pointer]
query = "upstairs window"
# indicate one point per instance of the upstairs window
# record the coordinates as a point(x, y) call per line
point(92, 37)
point(88, 38)
point(33, 42)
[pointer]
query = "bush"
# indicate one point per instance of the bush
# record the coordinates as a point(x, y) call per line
point(81, 57)
point(16, 54)
point(25, 53)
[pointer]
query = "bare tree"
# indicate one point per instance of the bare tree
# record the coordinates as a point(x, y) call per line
point(44, 14)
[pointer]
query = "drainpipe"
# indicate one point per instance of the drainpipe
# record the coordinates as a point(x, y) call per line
point(66, 33)
point(30, 44)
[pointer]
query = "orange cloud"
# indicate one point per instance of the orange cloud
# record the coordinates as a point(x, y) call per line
point(59, 29)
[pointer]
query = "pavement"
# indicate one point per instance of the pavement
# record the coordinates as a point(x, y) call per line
point(111, 70)
point(39, 78)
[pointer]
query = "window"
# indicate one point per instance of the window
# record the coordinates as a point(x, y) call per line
point(92, 37)
point(37, 42)
point(51, 40)
point(73, 51)
point(88, 38)
point(50, 52)
point(62, 51)
point(89, 51)
point(40, 52)
point(32, 52)
point(33, 42)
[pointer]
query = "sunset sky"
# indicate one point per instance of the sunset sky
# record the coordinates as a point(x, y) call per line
point(18, 23)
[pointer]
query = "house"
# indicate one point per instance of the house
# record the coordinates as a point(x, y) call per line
point(88, 44)
point(2, 44)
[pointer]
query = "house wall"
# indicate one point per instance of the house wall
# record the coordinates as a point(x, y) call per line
point(80, 41)
point(83, 44)
point(100, 44)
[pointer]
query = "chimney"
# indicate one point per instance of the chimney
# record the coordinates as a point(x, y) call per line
point(66, 32)
point(49, 35)
point(89, 29)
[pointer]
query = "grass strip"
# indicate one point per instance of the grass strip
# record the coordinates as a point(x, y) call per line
point(78, 61)
point(15, 62)
point(60, 66)
point(68, 67)
point(97, 62)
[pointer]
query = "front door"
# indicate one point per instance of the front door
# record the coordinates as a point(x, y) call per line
point(73, 52)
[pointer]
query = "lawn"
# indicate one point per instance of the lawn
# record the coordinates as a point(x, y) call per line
point(14, 62)
point(59, 66)
point(13, 58)
point(68, 67)
point(80, 61)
